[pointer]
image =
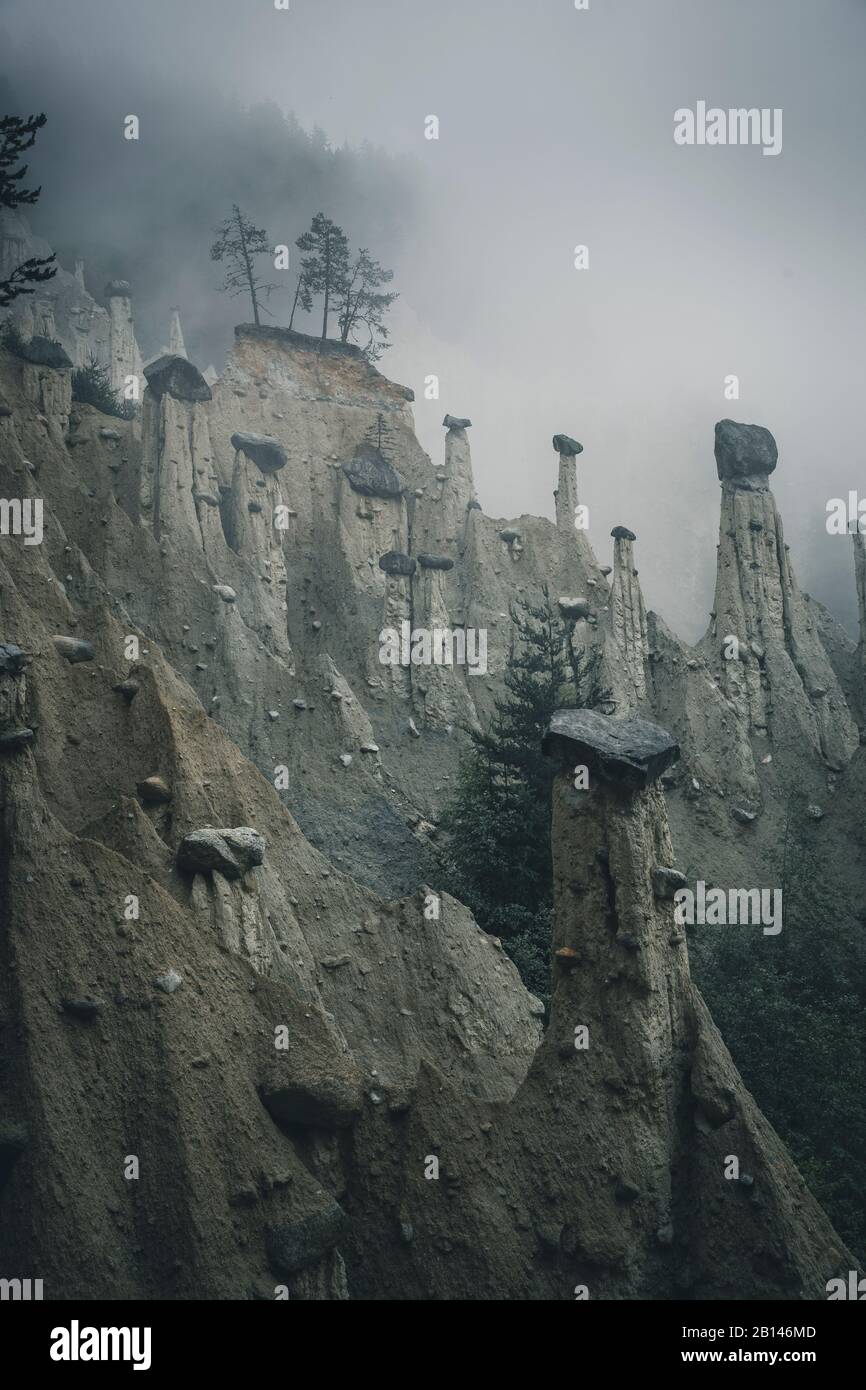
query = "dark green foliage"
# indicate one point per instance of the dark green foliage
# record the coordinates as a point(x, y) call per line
point(791, 1010)
point(92, 386)
point(325, 267)
point(350, 288)
point(498, 824)
point(18, 134)
point(381, 436)
point(363, 305)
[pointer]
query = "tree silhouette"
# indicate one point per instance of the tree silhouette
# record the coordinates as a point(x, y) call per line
point(325, 268)
point(16, 136)
point(380, 435)
point(238, 242)
point(363, 305)
point(303, 297)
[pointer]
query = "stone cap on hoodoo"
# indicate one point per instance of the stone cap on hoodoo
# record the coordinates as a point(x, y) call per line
point(564, 444)
point(630, 752)
point(371, 474)
point(176, 376)
point(456, 422)
point(45, 352)
point(744, 450)
point(265, 452)
point(622, 533)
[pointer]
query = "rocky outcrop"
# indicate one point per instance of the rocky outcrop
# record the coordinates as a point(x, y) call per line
point(265, 452)
point(307, 1027)
point(124, 356)
point(176, 376)
point(628, 613)
point(62, 308)
point(231, 852)
point(763, 643)
point(631, 1171)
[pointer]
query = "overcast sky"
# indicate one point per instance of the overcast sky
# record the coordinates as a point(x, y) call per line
point(556, 129)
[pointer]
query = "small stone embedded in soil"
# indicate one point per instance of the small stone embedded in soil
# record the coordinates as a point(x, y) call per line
point(169, 982)
point(74, 649)
point(85, 1006)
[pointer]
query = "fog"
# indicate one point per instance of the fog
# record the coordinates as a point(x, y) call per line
point(555, 129)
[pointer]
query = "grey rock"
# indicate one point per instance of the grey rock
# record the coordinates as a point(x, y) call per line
point(294, 1245)
point(84, 1007)
point(5, 409)
point(371, 474)
point(169, 982)
point(12, 659)
point(564, 444)
point(128, 689)
point(229, 852)
point(456, 422)
point(667, 881)
point(745, 817)
point(45, 352)
point(154, 790)
point(743, 451)
point(632, 752)
point(106, 433)
point(320, 1101)
point(13, 739)
point(435, 562)
point(265, 452)
point(176, 376)
point(74, 649)
point(394, 562)
point(118, 289)
point(622, 533)
point(226, 592)
point(816, 812)
point(627, 1191)
point(509, 535)
point(573, 607)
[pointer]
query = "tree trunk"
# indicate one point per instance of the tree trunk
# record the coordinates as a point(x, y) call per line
point(249, 268)
point(327, 284)
point(295, 303)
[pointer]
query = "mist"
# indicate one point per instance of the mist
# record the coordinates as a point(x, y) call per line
point(555, 130)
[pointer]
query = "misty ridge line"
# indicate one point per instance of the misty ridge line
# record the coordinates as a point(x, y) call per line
point(247, 128)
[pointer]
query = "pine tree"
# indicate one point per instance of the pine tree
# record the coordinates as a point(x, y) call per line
point(303, 298)
point(325, 267)
point(498, 823)
point(381, 436)
point(17, 135)
point(238, 243)
point(92, 384)
point(363, 305)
